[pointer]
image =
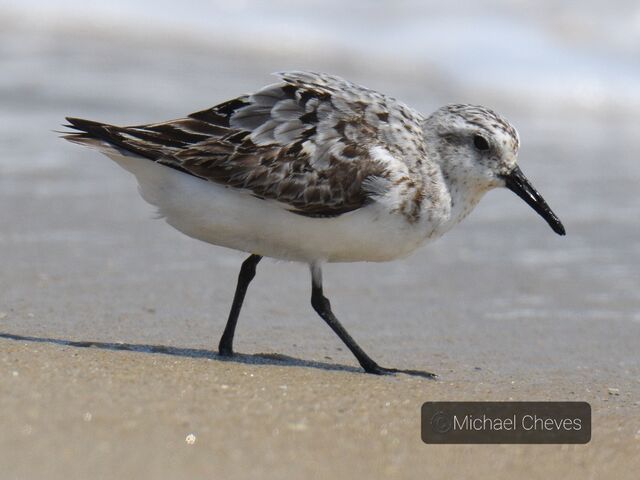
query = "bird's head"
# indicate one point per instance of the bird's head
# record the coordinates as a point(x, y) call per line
point(478, 150)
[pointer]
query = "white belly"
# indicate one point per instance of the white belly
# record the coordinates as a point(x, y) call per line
point(232, 218)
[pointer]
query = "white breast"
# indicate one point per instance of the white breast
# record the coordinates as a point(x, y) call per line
point(231, 218)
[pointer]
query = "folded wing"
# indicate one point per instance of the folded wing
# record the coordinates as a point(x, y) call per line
point(305, 142)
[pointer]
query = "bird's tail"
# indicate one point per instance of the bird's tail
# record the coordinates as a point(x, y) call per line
point(97, 135)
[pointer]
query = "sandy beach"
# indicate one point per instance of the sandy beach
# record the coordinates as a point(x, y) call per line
point(89, 412)
point(109, 318)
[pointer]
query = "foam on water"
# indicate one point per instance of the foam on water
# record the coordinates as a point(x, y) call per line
point(573, 53)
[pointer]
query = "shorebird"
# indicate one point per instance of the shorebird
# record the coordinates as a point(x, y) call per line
point(317, 169)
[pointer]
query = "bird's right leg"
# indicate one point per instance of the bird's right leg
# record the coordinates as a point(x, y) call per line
point(247, 272)
point(322, 306)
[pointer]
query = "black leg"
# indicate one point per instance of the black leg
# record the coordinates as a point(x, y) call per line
point(247, 272)
point(322, 306)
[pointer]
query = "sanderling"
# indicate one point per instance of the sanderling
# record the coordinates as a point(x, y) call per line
point(316, 169)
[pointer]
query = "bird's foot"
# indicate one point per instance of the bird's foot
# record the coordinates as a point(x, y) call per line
point(378, 370)
point(224, 351)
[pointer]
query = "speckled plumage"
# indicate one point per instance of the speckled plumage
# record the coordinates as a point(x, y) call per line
point(317, 169)
point(317, 146)
point(304, 142)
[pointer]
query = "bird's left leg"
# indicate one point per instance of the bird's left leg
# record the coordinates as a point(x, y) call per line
point(247, 272)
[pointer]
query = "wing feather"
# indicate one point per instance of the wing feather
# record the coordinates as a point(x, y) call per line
point(305, 142)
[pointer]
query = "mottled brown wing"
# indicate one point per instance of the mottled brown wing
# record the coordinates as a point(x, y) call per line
point(305, 142)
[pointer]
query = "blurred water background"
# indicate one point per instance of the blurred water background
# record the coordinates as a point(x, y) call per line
point(79, 255)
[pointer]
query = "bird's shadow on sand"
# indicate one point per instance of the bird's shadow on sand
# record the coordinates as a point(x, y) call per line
point(255, 359)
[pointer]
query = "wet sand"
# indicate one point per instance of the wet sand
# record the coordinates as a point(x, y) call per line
point(501, 308)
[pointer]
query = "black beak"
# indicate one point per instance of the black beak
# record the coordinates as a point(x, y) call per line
point(518, 184)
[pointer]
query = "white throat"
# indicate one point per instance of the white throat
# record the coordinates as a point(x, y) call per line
point(463, 199)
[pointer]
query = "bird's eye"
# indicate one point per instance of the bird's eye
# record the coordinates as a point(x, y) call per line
point(480, 143)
